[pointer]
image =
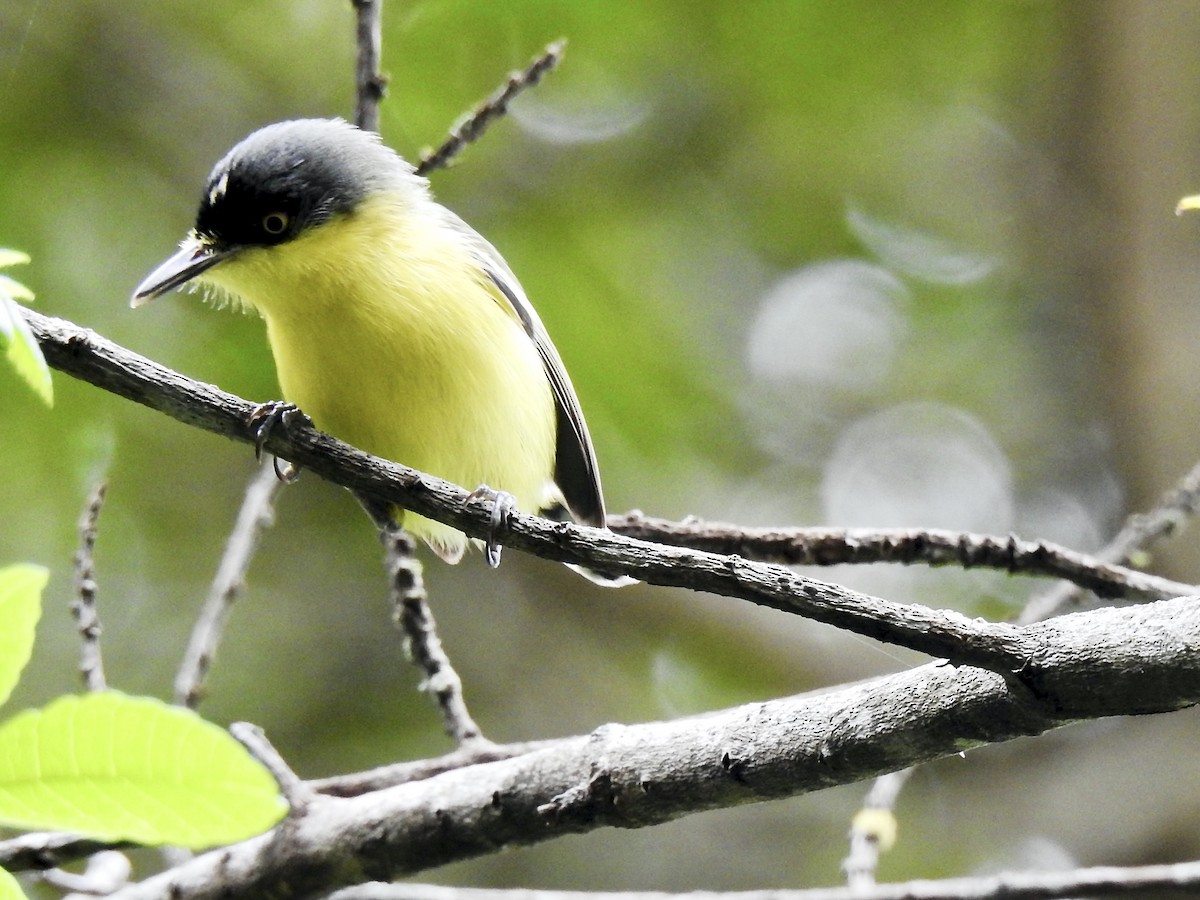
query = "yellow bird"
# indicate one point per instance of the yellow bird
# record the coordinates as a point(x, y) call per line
point(394, 325)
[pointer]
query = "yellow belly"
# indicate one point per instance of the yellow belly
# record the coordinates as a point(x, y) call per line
point(407, 355)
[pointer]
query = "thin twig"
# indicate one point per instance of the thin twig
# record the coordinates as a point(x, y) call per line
point(256, 514)
point(1172, 511)
point(254, 739)
point(83, 608)
point(873, 830)
point(412, 615)
point(370, 84)
point(40, 850)
point(105, 872)
point(1140, 529)
point(932, 547)
point(1098, 881)
point(475, 753)
point(472, 127)
point(943, 634)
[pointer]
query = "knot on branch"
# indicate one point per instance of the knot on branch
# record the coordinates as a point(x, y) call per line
point(584, 803)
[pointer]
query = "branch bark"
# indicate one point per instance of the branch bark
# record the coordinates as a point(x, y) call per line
point(812, 546)
point(1106, 662)
point(370, 85)
point(940, 633)
point(1136, 660)
point(1096, 881)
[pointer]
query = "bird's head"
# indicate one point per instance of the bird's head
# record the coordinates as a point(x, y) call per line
point(280, 183)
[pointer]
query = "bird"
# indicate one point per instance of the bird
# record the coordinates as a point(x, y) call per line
point(393, 324)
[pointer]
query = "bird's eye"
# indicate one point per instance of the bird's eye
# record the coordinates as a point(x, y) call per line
point(275, 223)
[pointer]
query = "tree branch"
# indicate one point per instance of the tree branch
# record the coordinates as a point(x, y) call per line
point(370, 84)
point(1098, 881)
point(1133, 660)
point(933, 547)
point(412, 615)
point(1173, 509)
point(87, 616)
point(47, 849)
point(940, 633)
point(873, 830)
point(472, 127)
point(256, 514)
point(472, 753)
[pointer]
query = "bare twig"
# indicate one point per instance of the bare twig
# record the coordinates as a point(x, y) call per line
point(1130, 660)
point(47, 849)
point(256, 514)
point(83, 608)
point(873, 830)
point(104, 873)
point(932, 547)
point(1172, 511)
point(370, 84)
point(254, 739)
point(471, 128)
point(1099, 881)
point(412, 614)
point(473, 754)
point(943, 634)
point(1135, 659)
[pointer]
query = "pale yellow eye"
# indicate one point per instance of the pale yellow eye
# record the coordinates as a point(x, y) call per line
point(275, 223)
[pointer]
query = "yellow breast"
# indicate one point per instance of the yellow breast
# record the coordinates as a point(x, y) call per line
point(388, 334)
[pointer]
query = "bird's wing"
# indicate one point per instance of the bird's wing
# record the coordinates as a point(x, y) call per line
point(575, 470)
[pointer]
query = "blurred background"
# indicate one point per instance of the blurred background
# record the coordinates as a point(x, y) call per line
point(854, 263)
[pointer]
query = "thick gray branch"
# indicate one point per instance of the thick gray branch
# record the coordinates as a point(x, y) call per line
point(1117, 661)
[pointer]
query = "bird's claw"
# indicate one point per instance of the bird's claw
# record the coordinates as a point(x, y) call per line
point(263, 419)
point(503, 505)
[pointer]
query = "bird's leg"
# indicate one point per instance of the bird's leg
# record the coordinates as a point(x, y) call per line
point(503, 504)
point(263, 419)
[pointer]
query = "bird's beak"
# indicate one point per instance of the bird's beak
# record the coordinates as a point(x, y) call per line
point(193, 257)
point(1192, 202)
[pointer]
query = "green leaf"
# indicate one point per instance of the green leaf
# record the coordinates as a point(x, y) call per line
point(132, 768)
point(9, 888)
point(20, 608)
point(23, 351)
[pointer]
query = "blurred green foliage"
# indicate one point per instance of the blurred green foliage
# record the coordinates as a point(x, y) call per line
point(690, 168)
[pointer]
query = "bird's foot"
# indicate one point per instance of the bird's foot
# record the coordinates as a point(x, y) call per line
point(264, 419)
point(503, 505)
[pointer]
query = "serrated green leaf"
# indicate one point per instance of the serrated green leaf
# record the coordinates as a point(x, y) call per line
point(20, 608)
point(23, 351)
point(10, 287)
point(9, 888)
point(12, 258)
point(132, 768)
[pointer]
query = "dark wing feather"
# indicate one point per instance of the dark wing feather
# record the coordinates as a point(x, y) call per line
point(575, 470)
